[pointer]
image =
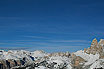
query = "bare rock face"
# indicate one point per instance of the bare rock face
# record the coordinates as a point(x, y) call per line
point(94, 43)
point(11, 63)
point(101, 44)
point(93, 48)
point(8, 64)
point(96, 47)
point(3, 64)
point(77, 61)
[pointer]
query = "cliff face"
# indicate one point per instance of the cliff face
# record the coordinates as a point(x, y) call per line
point(96, 47)
point(92, 57)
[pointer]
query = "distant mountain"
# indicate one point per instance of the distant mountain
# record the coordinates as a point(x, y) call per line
point(90, 58)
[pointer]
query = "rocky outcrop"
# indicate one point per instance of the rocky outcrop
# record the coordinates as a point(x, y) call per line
point(94, 42)
point(3, 64)
point(8, 64)
point(77, 61)
point(95, 47)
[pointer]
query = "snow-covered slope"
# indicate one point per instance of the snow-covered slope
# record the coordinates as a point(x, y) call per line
point(43, 60)
point(38, 54)
point(90, 58)
point(11, 54)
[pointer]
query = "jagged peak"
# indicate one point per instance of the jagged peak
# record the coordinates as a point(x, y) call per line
point(94, 42)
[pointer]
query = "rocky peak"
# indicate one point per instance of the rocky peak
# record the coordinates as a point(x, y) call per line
point(94, 42)
point(95, 47)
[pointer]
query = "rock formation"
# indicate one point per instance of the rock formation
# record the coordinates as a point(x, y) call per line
point(77, 61)
point(95, 47)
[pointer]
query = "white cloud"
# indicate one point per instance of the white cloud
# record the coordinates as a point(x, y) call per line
point(34, 36)
point(15, 48)
point(70, 41)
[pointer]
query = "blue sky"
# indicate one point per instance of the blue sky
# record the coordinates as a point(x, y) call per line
point(50, 25)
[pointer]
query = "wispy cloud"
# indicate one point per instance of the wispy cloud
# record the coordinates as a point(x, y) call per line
point(51, 47)
point(58, 48)
point(11, 17)
point(34, 37)
point(46, 48)
point(14, 48)
point(69, 41)
point(45, 42)
point(2, 43)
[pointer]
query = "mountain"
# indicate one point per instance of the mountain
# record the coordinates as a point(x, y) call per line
point(90, 58)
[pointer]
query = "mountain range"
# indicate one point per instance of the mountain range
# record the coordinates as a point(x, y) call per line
point(90, 58)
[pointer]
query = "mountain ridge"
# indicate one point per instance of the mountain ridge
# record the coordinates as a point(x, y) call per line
point(89, 58)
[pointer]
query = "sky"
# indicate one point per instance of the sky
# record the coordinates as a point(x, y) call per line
point(50, 25)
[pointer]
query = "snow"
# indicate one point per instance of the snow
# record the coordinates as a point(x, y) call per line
point(41, 67)
point(61, 61)
point(97, 64)
point(39, 54)
point(90, 58)
point(16, 55)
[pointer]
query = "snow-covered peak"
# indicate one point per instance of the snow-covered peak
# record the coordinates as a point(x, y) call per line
point(101, 42)
point(39, 53)
point(14, 54)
